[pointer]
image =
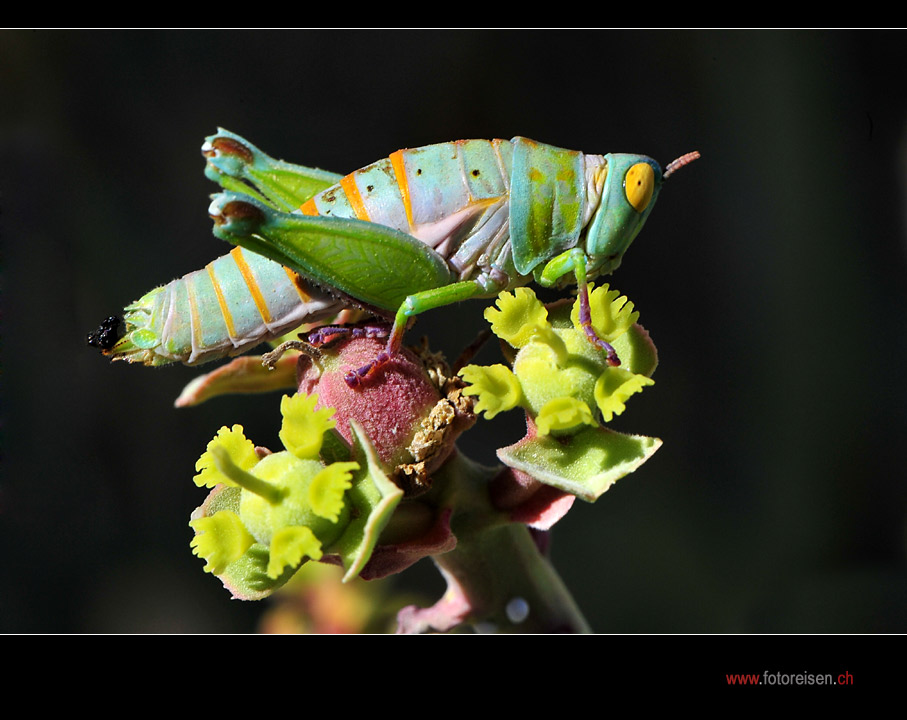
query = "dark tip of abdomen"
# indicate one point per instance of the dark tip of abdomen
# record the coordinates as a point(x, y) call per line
point(106, 336)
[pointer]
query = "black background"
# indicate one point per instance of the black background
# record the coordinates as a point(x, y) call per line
point(771, 276)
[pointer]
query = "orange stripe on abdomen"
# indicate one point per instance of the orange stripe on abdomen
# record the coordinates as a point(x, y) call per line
point(308, 207)
point(252, 284)
point(221, 300)
point(348, 184)
point(400, 173)
point(298, 284)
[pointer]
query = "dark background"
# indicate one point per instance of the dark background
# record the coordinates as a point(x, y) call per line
point(771, 275)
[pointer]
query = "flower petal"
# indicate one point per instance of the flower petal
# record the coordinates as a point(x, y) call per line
point(303, 427)
point(238, 447)
point(496, 386)
point(289, 546)
point(520, 316)
point(327, 488)
point(220, 540)
point(614, 387)
point(612, 313)
point(563, 413)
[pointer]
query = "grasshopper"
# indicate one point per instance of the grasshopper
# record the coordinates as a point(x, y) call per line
point(423, 228)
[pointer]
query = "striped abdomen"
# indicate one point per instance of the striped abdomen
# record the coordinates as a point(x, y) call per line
point(234, 303)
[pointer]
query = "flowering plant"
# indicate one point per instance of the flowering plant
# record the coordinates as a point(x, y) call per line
point(370, 477)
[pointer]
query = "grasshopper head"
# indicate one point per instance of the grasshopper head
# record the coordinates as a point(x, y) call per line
point(629, 193)
point(630, 189)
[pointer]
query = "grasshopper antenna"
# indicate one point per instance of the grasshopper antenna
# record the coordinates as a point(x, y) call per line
point(675, 165)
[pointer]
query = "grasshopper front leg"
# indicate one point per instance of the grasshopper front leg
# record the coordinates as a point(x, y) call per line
point(575, 261)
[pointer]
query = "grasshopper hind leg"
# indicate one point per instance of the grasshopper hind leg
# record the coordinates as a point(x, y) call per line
point(327, 334)
point(413, 305)
point(394, 342)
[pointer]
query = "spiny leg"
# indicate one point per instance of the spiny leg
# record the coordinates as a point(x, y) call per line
point(413, 305)
point(575, 260)
point(585, 319)
point(329, 333)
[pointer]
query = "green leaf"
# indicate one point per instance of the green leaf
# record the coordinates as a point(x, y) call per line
point(248, 577)
point(374, 497)
point(585, 464)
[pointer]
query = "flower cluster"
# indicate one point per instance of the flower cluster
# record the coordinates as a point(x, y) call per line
point(567, 388)
point(268, 513)
point(370, 477)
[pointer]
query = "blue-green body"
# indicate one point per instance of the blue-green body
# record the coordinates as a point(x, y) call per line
point(419, 229)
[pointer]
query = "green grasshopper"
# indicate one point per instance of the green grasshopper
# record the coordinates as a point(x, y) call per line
point(422, 228)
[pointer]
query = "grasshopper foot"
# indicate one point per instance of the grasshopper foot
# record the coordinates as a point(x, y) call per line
point(319, 337)
point(613, 360)
point(235, 217)
point(357, 377)
point(226, 154)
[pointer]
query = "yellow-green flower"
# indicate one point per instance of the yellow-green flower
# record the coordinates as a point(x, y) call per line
point(497, 387)
point(568, 388)
point(558, 376)
point(290, 501)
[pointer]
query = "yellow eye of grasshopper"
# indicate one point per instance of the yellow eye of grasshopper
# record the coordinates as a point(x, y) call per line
point(639, 185)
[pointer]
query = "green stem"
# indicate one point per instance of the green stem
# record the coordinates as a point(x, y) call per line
point(503, 581)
